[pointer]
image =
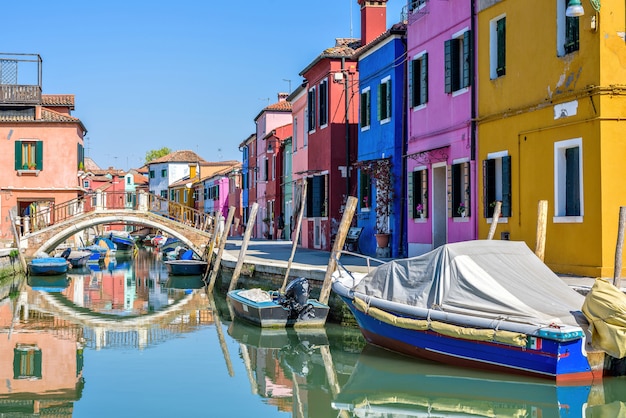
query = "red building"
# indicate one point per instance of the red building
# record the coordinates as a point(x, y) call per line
point(331, 128)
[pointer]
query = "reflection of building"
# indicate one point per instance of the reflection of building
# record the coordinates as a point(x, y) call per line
point(41, 361)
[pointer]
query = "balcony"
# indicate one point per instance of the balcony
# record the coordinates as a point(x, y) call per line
point(20, 79)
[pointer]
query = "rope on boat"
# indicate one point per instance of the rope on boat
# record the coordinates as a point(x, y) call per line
point(506, 337)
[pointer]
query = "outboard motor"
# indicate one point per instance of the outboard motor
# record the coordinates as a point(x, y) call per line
point(296, 299)
point(66, 253)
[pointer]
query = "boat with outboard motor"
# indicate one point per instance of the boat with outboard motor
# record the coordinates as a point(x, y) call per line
point(293, 308)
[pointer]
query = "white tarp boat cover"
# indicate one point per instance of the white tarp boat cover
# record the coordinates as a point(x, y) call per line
point(605, 309)
point(485, 278)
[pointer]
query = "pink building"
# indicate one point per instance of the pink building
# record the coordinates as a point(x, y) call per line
point(270, 118)
point(41, 150)
point(441, 138)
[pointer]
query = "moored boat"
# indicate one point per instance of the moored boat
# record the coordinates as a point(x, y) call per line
point(48, 266)
point(491, 305)
point(77, 258)
point(186, 267)
point(294, 308)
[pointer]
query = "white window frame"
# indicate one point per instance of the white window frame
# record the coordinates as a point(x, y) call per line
point(493, 46)
point(366, 90)
point(559, 180)
point(387, 80)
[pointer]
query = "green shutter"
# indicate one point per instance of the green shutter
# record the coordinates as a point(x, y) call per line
point(379, 102)
point(572, 181)
point(18, 155)
point(466, 187)
point(489, 186)
point(412, 78)
point(37, 371)
point(39, 155)
point(506, 186)
point(424, 80)
point(501, 42)
point(388, 99)
point(448, 65)
point(467, 59)
point(410, 186)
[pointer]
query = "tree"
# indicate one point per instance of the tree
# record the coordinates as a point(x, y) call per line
point(157, 153)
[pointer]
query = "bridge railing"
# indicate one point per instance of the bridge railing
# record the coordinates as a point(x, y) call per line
point(45, 214)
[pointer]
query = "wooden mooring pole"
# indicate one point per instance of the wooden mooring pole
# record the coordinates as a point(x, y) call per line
point(244, 246)
point(220, 252)
point(619, 248)
point(295, 236)
point(494, 219)
point(542, 220)
point(340, 240)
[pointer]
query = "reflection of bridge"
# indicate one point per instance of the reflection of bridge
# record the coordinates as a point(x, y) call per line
point(49, 226)
point(102, 330)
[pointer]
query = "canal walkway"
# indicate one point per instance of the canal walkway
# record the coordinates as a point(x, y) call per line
point(271, 257)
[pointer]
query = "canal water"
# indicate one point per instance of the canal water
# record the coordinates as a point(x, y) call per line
point(122, 339)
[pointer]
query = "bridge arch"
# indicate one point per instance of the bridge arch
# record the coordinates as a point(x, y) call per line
point(54, 235)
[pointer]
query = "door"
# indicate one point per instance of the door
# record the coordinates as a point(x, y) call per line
point(440, 206)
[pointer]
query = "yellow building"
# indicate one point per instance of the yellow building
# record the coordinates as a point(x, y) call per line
point(551, 125)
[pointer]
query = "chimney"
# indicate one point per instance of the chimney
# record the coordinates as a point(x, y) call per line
point(373, 19)
point(282, 96)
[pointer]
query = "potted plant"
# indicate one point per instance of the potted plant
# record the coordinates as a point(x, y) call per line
point(461, 210)
point(420, 210)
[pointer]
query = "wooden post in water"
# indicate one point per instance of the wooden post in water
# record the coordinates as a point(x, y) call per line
point(218, 258)
point(619, 248)
point(494, 219)
point(340, 240)
point(542, 220)
point(295, 236)
point(209, 251)
point(244, 246)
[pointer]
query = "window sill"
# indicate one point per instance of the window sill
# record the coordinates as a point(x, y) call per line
point(567, 219)
point(420, 220)
point(461, 219)
point(419, 107)
point(28, 172)
point(500, 220)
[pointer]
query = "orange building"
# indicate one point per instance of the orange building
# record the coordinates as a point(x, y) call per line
point(42, 149)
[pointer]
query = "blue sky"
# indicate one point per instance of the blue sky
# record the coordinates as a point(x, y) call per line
point(188, 75)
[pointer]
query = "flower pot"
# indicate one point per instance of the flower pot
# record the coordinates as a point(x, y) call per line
point(382, 240)
point(421, 216)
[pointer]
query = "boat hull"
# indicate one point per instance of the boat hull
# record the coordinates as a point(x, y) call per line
point(273, 315)
point(186, 267)
point(48, 266)
point(557, 360)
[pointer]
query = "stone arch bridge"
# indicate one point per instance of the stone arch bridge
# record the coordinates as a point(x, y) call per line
point(48, 227)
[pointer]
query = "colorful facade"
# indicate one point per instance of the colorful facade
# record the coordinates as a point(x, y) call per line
point(551, 112)
point(441, 167)
point(380, 164)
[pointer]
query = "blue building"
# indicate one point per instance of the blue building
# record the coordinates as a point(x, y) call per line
point(381, 143)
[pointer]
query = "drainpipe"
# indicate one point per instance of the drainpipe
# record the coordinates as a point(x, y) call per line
point(403, 238)
point(345, 84)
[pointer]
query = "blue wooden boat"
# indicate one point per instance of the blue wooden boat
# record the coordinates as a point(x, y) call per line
point(48, 266)
point(294, 308)
point(123, 244)
point(491, 305)
point(185, 267)
point(98, 253)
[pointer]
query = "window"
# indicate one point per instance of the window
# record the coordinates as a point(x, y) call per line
point(458, 62)
point(26, 362)
point(152, 175)
point(459, 180)
point(129, 180)
point(86, 184)
point(568, 166)
point(323, 107)
point(418, 80)
point(568, 28)
point(206, 193)
point(384, 100)
point(274, 167)
point(365, 191)
point(28, 155)
point(311, 110)
point(316, 197)
point(185, 192)
point(81, 156)
point(365, 108)
point(266, 163)
point(497, 53)
point(416, 5)
point(497, 183)
point(164, 194)
point(164, 172)
point(418, 193)
point(295, 134)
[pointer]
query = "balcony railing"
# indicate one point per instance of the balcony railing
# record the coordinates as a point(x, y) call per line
point(19, 94)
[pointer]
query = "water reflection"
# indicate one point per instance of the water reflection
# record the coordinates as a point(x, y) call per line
point(126, 331)
point(390, 385)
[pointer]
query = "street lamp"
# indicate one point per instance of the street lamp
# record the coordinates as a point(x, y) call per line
point(574, 9)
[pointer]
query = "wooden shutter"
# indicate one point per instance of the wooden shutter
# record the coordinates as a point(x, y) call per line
point(424, 79)
point(39, 155)
point(449, 191)
point(18, 155)
point(467, 59)
point(501, 45)
point(489, 186)
point(506, 186)
point(448, 65)
point(411, 199)
point(572, 181)
point(379, 102)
